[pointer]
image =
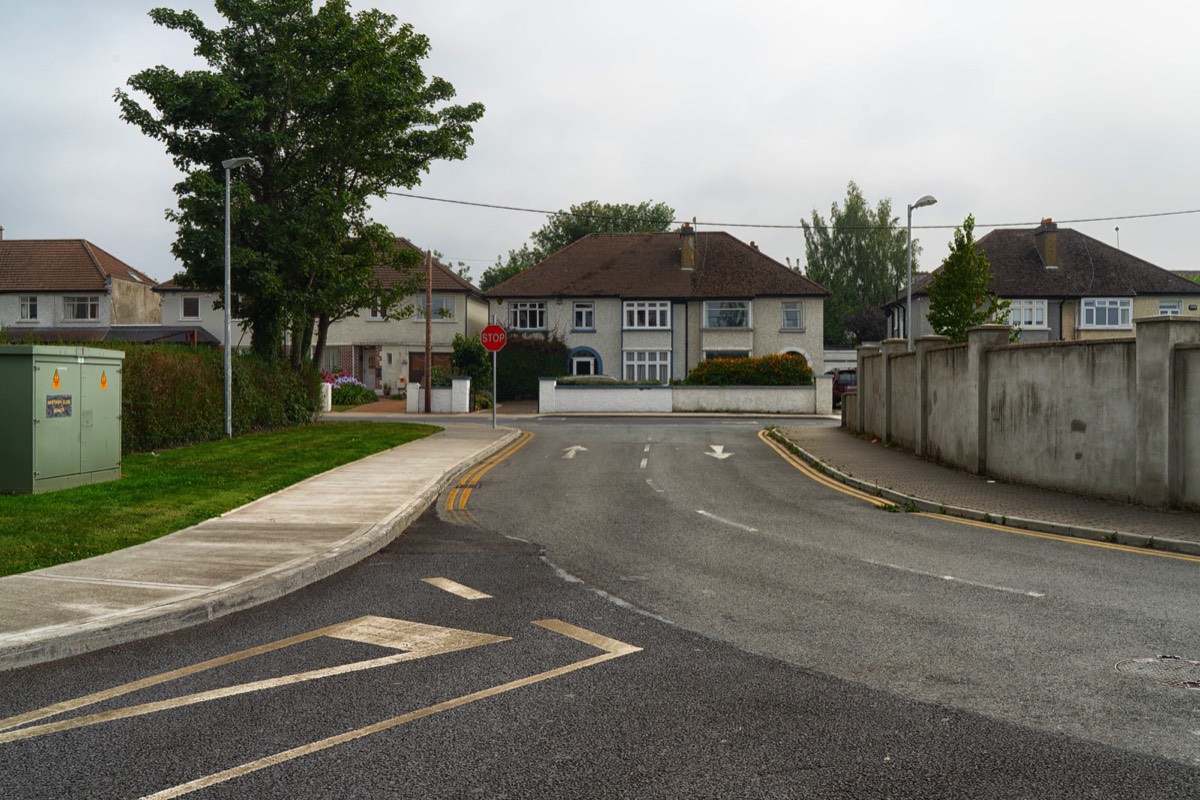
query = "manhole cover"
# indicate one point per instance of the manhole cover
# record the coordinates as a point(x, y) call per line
point(1168, 670)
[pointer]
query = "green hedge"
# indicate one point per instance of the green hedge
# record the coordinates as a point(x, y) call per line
point(781, 369)
point(523, 360)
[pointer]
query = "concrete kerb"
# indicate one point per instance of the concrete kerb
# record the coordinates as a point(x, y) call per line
point(61, 641)
point(1038, 526)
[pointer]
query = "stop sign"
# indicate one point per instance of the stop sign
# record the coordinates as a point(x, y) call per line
point(493, 338)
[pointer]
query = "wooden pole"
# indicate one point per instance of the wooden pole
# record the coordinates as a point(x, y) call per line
point(428, 332)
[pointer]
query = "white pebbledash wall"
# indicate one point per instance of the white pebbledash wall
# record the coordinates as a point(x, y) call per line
point(454, 399)
point(555, 399)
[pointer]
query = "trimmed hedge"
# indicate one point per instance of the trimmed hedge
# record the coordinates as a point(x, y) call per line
point(780, 369)
point(523, 360)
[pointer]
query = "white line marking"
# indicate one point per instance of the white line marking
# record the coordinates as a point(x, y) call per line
point(724, 521)
point(569, 452)
point(719, 452)
point(650, 483)
point(453, 587)
point(644, 460)
point(646, 449)
point(953, 579)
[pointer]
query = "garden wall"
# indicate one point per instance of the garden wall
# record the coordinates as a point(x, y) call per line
point(555, 399)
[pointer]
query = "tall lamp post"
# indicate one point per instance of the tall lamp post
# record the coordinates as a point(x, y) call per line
point(927, 200)
point(229, 165)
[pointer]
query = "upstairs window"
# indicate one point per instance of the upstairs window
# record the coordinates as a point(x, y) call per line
point(1027, 314)
point(29, 309)
point(1107, 312)
point(793, 316)
point(584, 317)
point(1170, 308)
point(81, 309)
point(527, 316)
point(443, 308)
point(727, 314)
point(190, 307)
point(647, 314)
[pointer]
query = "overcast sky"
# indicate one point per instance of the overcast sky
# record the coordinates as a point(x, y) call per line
point(752, 112)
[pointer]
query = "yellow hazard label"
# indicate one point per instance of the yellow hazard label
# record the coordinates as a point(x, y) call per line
point(103, 380)
point(57, 382)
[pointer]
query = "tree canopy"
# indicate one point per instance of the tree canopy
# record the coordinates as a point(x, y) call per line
point(859, 256)
point(958, 294)
point(335, 109)
point(564, 227)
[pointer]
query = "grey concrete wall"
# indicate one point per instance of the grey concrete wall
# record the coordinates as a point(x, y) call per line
point(871, 393)
point(1187, 430)
point(1061, 415)
point(903, 410)
point(949, 405)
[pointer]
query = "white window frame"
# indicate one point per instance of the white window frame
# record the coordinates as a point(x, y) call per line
point(72, 304)
point(29, 308)
point(1170, 308)
point(527, 315)
point(1028, 314)
point(443, 308)
point(183, 304)
point(1091, 309)
point(716, 310)
point(583, 316)
point(583, 358)
point(647, 314)
point(795, 307)
point(376, 314)
point(644, 365)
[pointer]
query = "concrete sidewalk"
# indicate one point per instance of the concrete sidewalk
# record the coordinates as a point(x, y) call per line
point(904, 478)
point(245, 557)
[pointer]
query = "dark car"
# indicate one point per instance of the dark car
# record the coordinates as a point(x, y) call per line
point(843, 381)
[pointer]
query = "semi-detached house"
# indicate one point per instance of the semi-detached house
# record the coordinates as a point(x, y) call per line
point(640, 306)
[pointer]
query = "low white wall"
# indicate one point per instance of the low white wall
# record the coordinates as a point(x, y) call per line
point(454, 399)
point(818, 399)
point(326, 398)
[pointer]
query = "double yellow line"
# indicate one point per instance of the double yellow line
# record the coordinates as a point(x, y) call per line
point(456, 499)
point(821, 478)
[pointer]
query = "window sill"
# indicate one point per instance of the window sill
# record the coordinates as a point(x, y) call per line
point(583, 330)
point(791, 330)
point(1105, 327)
point(651, 330)
point(729, 330)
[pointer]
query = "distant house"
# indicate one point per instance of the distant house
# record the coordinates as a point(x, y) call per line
point(1064, 285)
point(391, 351)
point(72, 290)
point(198, 310)
point(653, 305)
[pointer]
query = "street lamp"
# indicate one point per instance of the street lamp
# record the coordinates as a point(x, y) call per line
point(229, 165)
point(927, 200)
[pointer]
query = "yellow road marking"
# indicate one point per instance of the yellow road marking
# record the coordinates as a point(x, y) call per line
point(1124, 548)
point(824, 480)
point(453, 587)
point(456, 499)
point(417, 639)
point(611, 647)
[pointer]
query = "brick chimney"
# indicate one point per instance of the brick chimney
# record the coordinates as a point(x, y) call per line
point(1045, 239)
point(687, 249)
point(1, 233)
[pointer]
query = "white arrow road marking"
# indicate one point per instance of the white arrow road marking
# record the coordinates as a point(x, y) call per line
point(719, 452)
point(570, 452)
point(715, 518)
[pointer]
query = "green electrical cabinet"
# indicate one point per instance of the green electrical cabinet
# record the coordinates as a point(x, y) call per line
point(60, 417)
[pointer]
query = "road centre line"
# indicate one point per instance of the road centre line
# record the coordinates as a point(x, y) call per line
point(650, 483)
point(953, 579)
point(455, 588)
point(611, 647)
point(724, 521)
point(644, 462)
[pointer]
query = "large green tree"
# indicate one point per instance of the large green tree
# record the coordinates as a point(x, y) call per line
point(564, 227)
point(958, 294)
point(335, 110)
point(859, 257)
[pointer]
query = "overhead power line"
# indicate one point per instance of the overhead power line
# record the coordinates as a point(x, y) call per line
point(709, 224)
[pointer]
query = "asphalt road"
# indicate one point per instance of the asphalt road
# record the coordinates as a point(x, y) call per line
point(377, 683)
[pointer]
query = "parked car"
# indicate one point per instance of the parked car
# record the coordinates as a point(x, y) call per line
point(843, 380)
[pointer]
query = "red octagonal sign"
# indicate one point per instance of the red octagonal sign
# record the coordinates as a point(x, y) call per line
point(493, 338)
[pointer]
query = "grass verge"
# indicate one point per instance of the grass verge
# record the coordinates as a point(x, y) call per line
point(160, 493)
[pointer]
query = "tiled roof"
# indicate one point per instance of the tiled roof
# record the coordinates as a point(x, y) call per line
point(162, 334)
point(1086, 267)
point(61, 265)
point(444, 278)
point(648, 265)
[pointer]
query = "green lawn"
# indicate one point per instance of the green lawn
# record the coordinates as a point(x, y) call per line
point(164, 492)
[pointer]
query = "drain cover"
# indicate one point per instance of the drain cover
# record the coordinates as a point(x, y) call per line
point(1168, 670)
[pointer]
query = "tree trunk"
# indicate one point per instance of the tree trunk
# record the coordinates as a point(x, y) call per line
point(323, 323)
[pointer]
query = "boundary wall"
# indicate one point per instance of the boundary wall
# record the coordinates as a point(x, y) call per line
point(612, 399)
point(1115, 418)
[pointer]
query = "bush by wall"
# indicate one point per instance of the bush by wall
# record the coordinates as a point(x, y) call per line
point(173, 395)
point(523, 360)
point(780, 369)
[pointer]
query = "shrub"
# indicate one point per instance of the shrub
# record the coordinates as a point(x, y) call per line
point(439, 376)
point(781, 369)
point(523, 360)
point(352, 394)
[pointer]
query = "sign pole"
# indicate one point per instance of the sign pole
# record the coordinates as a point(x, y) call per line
point(493, 338)
point(494, 389)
